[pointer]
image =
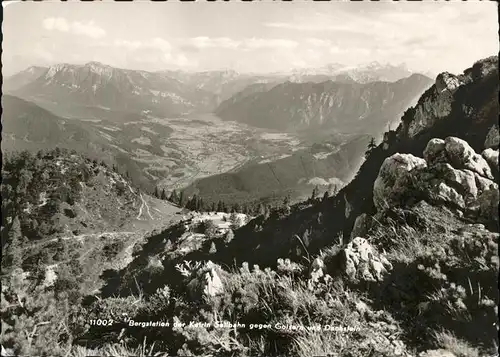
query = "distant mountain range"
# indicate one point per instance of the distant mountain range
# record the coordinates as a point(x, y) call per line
point(371, 72)
point(95, 85)
point(93, 89)
point(345, 107)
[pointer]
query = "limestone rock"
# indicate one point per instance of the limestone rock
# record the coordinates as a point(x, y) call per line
point(448, 194)
point(392, 178)
point(206, 282)
point(464, 180)
point(447, 82)
point(316, 272)
point(362, 262)
point(491, 157)
point(437, 353)
point(462, 156)
point(492, 138)
point(435, 152)
point(213, 284)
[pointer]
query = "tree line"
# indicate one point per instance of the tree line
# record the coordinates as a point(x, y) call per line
point(196, 203)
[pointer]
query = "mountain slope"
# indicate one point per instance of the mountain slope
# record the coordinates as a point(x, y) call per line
point(96, 85)
point(28, 126)
point(467, 111)
point(345, 107)
point(22, 78)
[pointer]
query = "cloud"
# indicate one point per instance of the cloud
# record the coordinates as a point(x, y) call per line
point(318, 42)
point(269, 43)
point(157, 43)
point(215, 42)
point(153, 51)
point(89, 29)
point(309, 27)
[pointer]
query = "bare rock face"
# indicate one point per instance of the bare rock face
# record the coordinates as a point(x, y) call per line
point(435, 152)
point(491, 157)
point(492, 138)
point(361, 262)
point(452, 174)
point(462, 156)
point(436, 106)
point(392, 178)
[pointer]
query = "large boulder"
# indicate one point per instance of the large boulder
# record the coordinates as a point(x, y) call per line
point(463, 181)
point(435, 152)
point(462, 156)
point(491, 157)
point(392, 180)
point(362, 262)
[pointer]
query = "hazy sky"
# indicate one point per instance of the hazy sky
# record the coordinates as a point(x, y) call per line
point(257, 36)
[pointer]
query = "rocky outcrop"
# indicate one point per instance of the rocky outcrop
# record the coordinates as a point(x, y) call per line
point(203, 280)
point(436, 105)
point(392, 180)
point(451, 173)
point(361, 262)
point(462, 156)
point(213, 284)
point(317, 273)
point(492, 138)
point(491, 157)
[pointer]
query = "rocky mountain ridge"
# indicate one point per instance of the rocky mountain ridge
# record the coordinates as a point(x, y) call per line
point(98, 85)
point(327, 105)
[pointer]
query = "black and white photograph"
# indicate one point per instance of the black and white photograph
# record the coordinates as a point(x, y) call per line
point(250, 178)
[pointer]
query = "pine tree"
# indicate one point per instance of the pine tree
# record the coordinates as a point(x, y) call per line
point(193, 203)
point(214, 207)
point(181, 199)
point(220, 207)
point(213, 249)
point(163, 195)
point(325, 196)
point(315, 193)
point(156, 194)
point(174, 197)
point(371, 145)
